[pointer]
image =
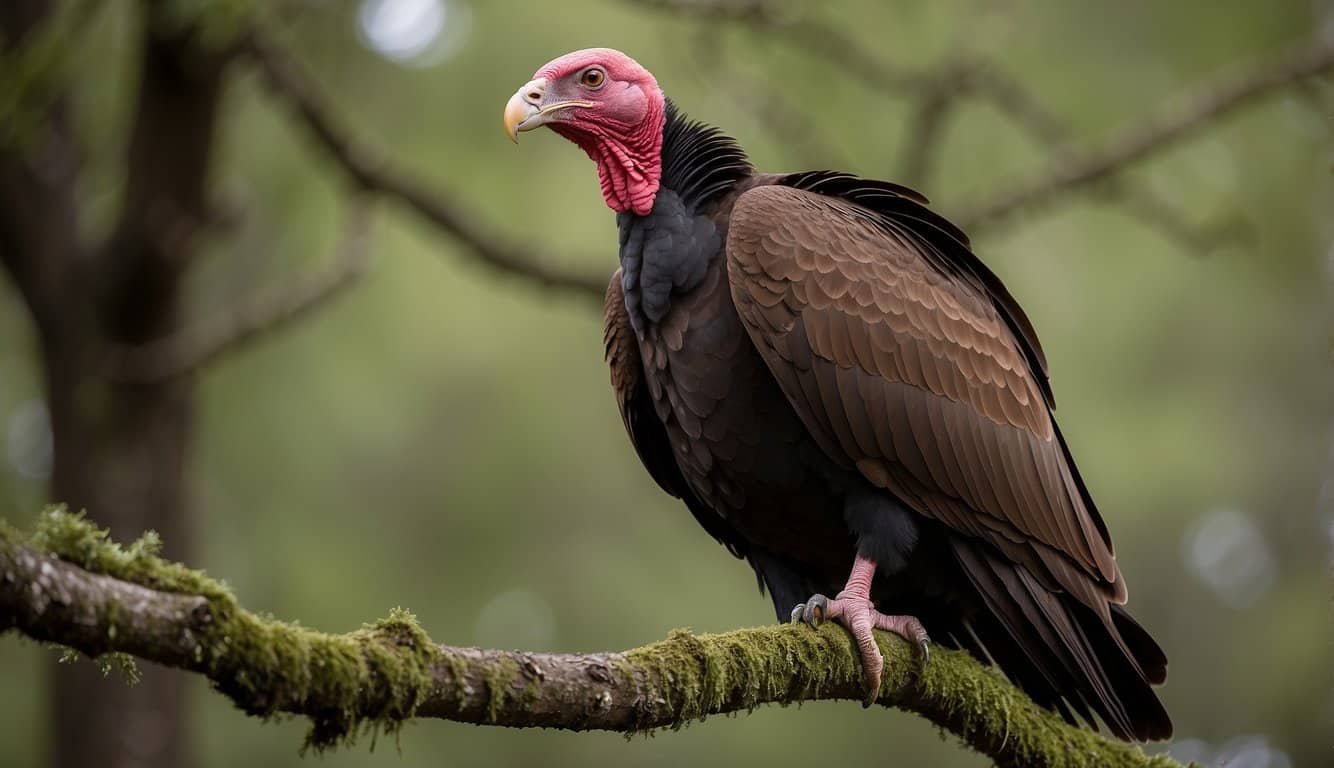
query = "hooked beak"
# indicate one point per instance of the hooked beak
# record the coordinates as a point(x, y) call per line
point(528, 108)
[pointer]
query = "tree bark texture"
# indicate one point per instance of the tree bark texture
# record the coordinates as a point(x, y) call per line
point(68, 584)
point(120, 447)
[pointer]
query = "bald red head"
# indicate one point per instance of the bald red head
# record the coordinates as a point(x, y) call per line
point(609, 105)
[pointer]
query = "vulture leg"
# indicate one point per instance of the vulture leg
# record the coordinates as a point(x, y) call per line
point(852, 608)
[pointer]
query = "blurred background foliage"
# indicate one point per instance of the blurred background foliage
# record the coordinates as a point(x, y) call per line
point(444, 439)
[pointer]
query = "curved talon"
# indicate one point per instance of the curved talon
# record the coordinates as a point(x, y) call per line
point(873, 665)
point(858, 615)
point(817, 609)
point(871, 695)
point(812, 612)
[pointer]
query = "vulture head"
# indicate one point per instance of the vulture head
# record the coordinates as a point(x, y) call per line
point(610, 106)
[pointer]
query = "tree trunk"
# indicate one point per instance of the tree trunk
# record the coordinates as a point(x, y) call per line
point(121, 447)
point(120, 451)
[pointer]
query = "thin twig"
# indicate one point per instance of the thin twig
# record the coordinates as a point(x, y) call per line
point(195, 348)
point(1149, 136)
point(373, 174)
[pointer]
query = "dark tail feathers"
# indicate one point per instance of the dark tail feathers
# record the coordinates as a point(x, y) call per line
point(1062, 653)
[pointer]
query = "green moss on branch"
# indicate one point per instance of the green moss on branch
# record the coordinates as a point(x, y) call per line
point(68, 583)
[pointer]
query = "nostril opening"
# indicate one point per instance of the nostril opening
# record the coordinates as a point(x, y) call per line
point(534, 95)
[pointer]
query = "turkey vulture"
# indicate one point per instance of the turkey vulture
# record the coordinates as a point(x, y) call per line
point(822, 370)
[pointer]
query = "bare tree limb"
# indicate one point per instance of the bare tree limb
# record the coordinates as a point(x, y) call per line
point(1320, 96)
point(195, 348)
point(1051, 131)
point(771, 110)
point(992, 85)
point(1163, 216)
point(822, 41)
point(373, 174)
point(936, 93)
point(1149, 136)
point(926, 128)
point(67, 584)
point(784, 122)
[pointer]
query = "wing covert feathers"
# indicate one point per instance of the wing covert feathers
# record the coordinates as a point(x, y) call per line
point(911, 376)
point(912, 364)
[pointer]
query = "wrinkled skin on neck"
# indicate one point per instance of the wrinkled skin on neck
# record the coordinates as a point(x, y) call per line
point(628, 157)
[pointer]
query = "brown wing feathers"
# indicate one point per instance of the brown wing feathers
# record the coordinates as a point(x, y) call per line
point(904, 356)
point(919, 349)
point(947, 245)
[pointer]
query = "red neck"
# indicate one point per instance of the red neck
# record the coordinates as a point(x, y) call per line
point(629, 166)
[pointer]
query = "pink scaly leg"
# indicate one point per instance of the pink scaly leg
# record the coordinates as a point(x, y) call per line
point(853, 609)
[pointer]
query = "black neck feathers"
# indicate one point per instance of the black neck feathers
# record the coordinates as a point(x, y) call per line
point(699, 162)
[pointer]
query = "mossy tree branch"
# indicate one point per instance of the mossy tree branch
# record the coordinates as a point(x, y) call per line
point(68, 584)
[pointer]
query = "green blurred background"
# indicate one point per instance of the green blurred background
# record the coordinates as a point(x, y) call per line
point(445, 439)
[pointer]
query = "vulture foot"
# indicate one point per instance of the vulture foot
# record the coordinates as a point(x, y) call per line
point(852, 609)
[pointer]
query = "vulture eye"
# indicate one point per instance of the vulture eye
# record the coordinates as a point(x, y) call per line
point(592, 78)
